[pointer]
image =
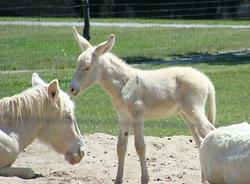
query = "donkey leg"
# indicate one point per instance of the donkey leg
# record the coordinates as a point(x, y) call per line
point(9, 152)
point(193, 130)
point(140, 146)
point(198, 119)
point(121, 150)
point(203, 179)
point(25, 173)
point(204, 126)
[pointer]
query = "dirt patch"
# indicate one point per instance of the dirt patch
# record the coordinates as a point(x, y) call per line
point(170, 160)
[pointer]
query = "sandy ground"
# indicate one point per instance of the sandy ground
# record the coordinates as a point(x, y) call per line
point(170, 160)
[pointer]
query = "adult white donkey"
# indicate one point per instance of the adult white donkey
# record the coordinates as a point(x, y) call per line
point(43, 111)
point(144, 94)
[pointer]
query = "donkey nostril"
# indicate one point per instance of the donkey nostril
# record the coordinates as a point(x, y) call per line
point(72, 90)
point(82, 154)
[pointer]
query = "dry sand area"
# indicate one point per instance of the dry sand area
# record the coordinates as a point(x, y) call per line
point(170, 160)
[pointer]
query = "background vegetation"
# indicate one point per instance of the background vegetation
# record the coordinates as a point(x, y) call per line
point(51, 52)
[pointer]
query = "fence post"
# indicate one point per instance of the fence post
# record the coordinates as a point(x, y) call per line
point(86, 28)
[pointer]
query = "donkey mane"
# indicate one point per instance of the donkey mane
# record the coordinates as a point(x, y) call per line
point(116, 61)
point(112, 62)
point(30, 104)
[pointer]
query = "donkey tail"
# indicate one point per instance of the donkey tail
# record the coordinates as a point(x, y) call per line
point(211, 104)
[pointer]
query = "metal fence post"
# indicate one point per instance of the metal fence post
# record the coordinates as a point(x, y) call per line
point(86, 28)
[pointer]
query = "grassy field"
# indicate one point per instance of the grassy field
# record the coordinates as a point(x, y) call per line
point(95, 113)
point(36, 47)
point(53, 49)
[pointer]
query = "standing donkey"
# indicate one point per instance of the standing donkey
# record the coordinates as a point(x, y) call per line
point(144, 94)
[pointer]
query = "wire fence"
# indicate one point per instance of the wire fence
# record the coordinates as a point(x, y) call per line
point(193, 9)
point(40, 42)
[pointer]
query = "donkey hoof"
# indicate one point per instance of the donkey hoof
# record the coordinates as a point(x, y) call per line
point(27, 173)
point(144, 180)
point(118, 181)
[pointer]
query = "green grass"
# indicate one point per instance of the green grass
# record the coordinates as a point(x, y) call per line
point(27, 47)
point(53, 49)
point(95, 113)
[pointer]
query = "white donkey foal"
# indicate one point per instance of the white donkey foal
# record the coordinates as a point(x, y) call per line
point(45, 112)
point(140, 94)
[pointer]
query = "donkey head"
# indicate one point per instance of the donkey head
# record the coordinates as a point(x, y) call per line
point(88, 71)
point(59, 127)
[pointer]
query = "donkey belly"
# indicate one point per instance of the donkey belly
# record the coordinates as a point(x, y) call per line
point(161, 110)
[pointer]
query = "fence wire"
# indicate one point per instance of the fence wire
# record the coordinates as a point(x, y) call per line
point(214, 9)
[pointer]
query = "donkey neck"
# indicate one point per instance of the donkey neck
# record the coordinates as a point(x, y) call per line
point(21, 118)
point(115, 75)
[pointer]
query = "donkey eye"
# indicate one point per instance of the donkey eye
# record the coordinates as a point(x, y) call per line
point(68, 117)
point(85, 69)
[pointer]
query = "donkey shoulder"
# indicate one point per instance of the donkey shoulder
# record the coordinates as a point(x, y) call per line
point(131, 93)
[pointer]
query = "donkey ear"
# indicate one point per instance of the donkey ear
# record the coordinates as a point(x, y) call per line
point(83, 43)
point(106, 46)
point(36, 80)
point(53, 89)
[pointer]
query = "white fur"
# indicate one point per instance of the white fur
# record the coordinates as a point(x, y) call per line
point(145, 94)
point(225, 155)
point(45, 112)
